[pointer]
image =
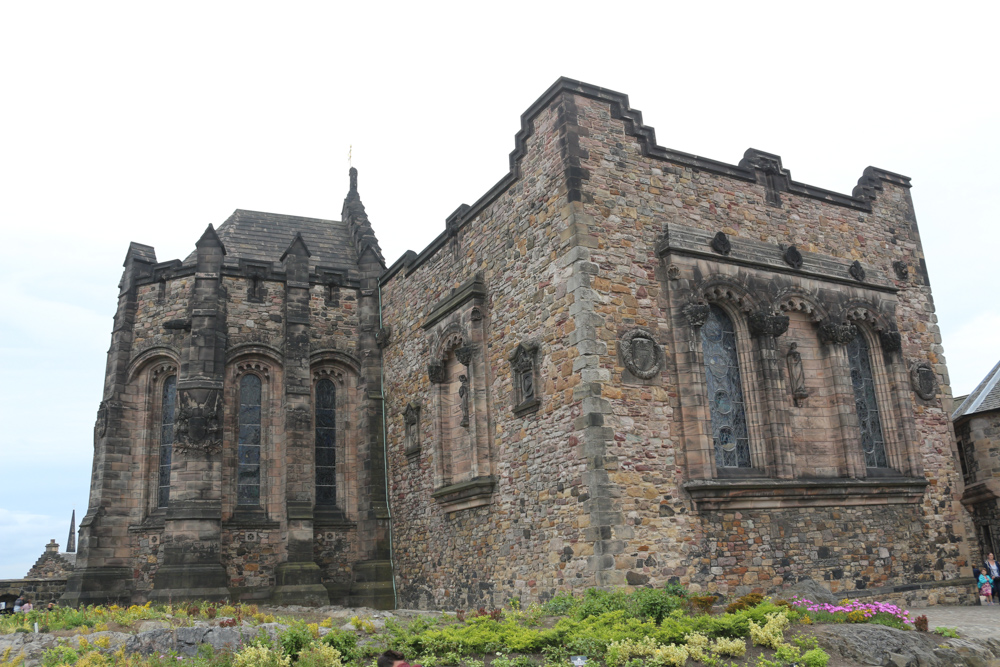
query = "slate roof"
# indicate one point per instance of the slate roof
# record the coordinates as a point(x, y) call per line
point(983, 398)
point(265, 237)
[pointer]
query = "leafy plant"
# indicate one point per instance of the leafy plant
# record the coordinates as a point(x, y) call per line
point(947, 632)
point(920, 623)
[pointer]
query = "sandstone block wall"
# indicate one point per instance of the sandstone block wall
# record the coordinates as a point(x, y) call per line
point(596, 487)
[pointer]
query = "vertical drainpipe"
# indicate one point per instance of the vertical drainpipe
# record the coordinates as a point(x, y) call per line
point(385, 456)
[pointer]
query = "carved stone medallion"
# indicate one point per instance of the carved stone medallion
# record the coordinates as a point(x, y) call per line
point(721, 244)
point(857, 271)
point(923, 380)
point(793, 257)
point(673, 272)
point(640, 353)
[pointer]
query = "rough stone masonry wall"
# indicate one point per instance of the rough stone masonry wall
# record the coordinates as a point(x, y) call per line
point(526, 541)
point(152, 311)
point(631, 198)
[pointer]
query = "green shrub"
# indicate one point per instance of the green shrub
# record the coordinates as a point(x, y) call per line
point(295, 638)
point(561, 604)
point(345, 642)
point(816, 657)
point(60, 655)
point(260, 656)
point(319, 655)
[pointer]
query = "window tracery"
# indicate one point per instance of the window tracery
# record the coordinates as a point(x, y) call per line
point(326, 443)
point(725, 391)
point(866, 403)
point(168, 406)
point(248, 446)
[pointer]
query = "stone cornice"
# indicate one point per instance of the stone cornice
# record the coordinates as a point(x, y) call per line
point(732, 494)
point(694, 242)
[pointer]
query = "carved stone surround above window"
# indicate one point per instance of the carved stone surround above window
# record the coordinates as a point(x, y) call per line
point(760, 289)
point(457, 371)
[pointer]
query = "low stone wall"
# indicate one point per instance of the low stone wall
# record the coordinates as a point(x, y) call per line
point(925, 594)
point(39, 591)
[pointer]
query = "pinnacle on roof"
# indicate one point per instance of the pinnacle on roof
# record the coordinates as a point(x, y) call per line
point(355, 216)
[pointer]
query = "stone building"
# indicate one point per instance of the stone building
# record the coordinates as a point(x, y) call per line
point(622, 365)
point(977, 431)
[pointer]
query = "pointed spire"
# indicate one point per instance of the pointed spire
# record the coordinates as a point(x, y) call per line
point(71, 541)
point(210, 239)
point(353, 213)
point(297, 247)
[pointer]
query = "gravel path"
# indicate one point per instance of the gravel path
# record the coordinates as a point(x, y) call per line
point(982, 622)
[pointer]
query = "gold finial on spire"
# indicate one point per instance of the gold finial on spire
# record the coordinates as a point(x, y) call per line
point(350, 149)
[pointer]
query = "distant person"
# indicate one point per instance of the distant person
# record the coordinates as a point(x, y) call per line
point(27, 606)
point(17, 604)
point(985, 588)
point(393, 659)
point(992, 568)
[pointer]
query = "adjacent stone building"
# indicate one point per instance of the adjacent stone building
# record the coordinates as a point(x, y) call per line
point(977, 430)
point(623, 365)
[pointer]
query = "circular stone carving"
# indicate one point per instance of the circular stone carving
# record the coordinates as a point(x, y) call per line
point(923, 380)
point(640, 353)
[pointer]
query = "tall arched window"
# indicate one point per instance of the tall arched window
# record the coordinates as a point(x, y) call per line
point(248, 448)
point(865, 402)
point(326, 443)
point(725, 391)
point(166, 439)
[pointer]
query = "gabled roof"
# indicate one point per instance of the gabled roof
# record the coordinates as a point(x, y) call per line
point(984, 397)
point(264, 237)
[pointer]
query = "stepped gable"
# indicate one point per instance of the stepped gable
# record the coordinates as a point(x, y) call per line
point(52, 564)
point(264, 237)
point(985, 397)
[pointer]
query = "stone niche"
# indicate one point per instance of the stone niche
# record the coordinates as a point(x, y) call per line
point(459, 398)
point(826, 405)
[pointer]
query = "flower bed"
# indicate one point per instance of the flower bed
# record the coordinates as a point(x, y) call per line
point(645, 627)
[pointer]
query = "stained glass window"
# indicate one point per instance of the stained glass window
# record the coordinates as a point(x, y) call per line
point(725, 391)
point(248, 447)
point(326, 443)
point(166, 439)
point(865, 402)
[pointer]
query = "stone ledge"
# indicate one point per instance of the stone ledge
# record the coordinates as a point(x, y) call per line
point(472, 289)
point(981, 492)
point(527, 407)
point(776, 494)
point(466, 495)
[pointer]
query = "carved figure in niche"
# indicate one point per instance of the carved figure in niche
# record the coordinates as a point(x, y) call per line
point(796, 374)
point(527, 385)
point(640, 353)
point(522, 363)
point(411, 422)
point(463, 397)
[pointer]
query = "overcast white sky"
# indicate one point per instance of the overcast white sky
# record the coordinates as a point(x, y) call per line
point(145, 122)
